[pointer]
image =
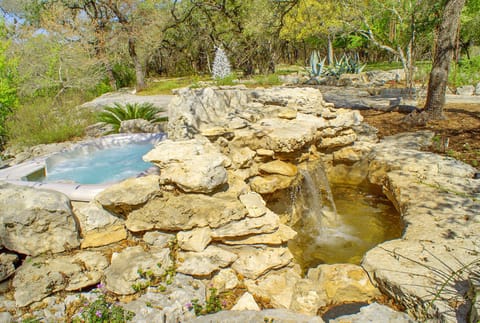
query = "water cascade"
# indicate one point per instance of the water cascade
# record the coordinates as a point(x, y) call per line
point(339, 224)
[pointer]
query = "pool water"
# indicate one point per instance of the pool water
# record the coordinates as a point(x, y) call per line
point(101, 166)
point(364, 219)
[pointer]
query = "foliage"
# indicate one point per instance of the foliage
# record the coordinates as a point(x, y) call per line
point(212, 305)
point(8, 82)
point(124, 75)
point(267, 80)
point(103, 311)
point(221, 66)
point(465, 72)
point(43, 120)
point(346, 65)
point(229, 80)
point(118, 113)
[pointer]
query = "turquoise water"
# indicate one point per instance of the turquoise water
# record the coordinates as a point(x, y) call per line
point(102, 166)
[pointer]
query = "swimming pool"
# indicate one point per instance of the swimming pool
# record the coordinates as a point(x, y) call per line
point(86, 168)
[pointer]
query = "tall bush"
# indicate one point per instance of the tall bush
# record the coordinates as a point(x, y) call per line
point(8, 83)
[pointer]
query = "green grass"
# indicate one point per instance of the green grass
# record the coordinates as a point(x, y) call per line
point(44, 120)
point(166, 85)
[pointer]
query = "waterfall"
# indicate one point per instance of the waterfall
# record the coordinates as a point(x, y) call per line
point(313, 201)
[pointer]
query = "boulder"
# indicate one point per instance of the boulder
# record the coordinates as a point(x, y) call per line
point(7, 265)
point(466, 90)
point(130, 194)
point(195, 110)
point(279, 167)
point(276, 286)
point(185, 212)
point(195, 240)
point(98, 227)
point(193, 165)
point(224, 280)
point(42, 276)
point(272, 315)
point(204, 263)
point(344, 138)
point(266, 223)
point(332, 284)
point(246, 303)
point(254, 203)
point(35, 221)
point(374, 313)
point(253, 262)
point(158, 239)
point(139, 126)
point(282, 235)
point(126, 267)
point(242, 157)
point(270, 183)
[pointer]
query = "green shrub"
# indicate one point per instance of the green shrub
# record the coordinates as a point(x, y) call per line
point(267, 80)
point(43, 120)
point(228, 80)
point(118, 113)
point(102, 311)
point(124, 75)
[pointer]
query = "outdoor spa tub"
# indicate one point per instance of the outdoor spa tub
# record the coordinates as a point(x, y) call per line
point(88, 167)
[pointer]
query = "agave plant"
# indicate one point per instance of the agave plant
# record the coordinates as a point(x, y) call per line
point(316, 66)
point(118, 113)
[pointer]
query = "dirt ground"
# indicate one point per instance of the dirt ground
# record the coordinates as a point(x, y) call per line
point(457, 136)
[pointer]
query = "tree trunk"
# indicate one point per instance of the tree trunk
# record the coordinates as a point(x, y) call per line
point(139, 73)
point(444, 49)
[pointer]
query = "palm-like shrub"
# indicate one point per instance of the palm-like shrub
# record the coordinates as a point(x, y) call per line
point(118, 113)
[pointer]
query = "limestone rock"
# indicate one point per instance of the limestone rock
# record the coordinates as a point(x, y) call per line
point(224, 280)
point(98, 226)
point(193, 110)
point(242, 157)
point(6, 317)
point(279, 237)
point(123, 271)
point(466, 90)
point(7, 265)
point(158, 239)
point(171, 305)
point(352, 154)
point(193, 165)
point(204, 263)
point(254, 203)
point(374, 313)
point(287, 114)
point(425, 268)
point(342, 139)
point(343, 283)
point(139, 126)
point(273, 315)
point(253, 262)
point(278, 135)
point(265, 152)
point(41, 276)
point(185, 212)
point(332, 284)
point(266, 223)
point(35, 221)
point(279, 167)
point(345, 119)
point(130, 194)
point(270, 183)
point(276, 286)
point(246, 303)
point(195, 240)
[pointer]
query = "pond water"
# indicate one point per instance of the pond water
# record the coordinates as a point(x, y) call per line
point(353, 220)
point(100, 166)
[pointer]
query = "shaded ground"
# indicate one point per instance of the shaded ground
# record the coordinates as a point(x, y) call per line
point(457, 136)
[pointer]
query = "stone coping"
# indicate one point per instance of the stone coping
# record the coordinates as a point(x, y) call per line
point(17, 174)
